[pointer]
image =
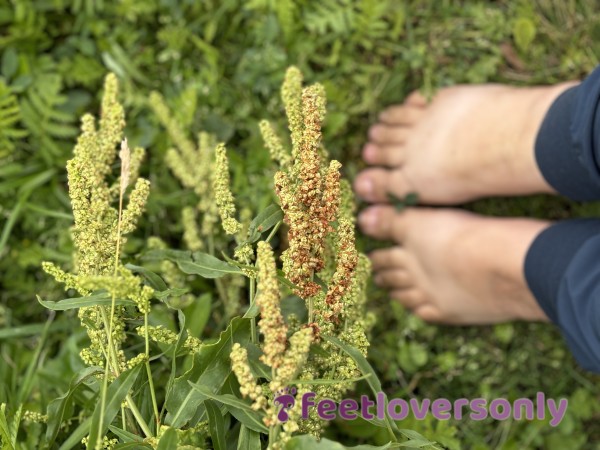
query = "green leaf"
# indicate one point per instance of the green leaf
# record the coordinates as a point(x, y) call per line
point(207, 266)
point(126, 436)
point(169, 440)
point(198, 313)
point(238, 408)
point(117, 391)
point(258, 368)
point(216, 425)
point(264, 221)
point(10, 62)
point(524, 32)
point(164, 296)
point(30, 330)
point(248, 439)
point(61, 408)
point(210, 368)
point(411, 199)
point(197, 263)
point(153, 279)
point(367, 370)
point(5, 433)
point(180, 341)
point(252, 311)
point(102, 299)
point(12, 219)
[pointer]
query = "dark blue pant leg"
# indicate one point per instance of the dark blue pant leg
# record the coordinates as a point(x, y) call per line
point(562, 266)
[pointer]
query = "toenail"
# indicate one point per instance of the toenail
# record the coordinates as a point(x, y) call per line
point(364, 186)
point(367, 220)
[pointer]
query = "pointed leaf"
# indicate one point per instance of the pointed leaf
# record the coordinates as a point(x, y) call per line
point(154, 280)
point(102, 299)
point(237, 407)
point(367, 370)
point(266, 220)
point(117, 391)
point(169, 440)
point(5, 430)
point(126, 436)
point(210, 368)
point(207, 266)
point(61, 408)
point(248, 439)
point(198, 263)
point(216, 425)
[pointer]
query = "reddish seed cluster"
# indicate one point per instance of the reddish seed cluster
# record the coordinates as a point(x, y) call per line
point(312, 204)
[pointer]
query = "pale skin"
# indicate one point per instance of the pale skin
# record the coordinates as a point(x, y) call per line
point(447, 265)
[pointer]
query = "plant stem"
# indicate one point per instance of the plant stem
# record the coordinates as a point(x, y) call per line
point(273, 231)
point(138, 416)
point(253, 332)
point(218, 282)
point(109, 340)
point(149, 372)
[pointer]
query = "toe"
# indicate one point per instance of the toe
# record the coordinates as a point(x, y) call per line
point(393, 279)
point(405, 114)
point(373, 185)
point(382, 133)
point(416, 99)
point(388, 258)
point(383, 222)
point(411, 298)
point(430, 313)
point(386, 155)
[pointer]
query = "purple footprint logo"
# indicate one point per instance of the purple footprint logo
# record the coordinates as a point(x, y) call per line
point(286, 399)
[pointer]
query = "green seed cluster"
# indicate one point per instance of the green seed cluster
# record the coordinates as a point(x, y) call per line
point(98, 231)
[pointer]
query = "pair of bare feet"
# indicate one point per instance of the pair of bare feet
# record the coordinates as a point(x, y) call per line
point(448, 265)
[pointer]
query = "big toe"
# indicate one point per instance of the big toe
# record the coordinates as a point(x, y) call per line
point(384, 222)
point(376, 184)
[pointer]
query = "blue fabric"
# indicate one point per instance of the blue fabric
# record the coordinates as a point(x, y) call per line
point(558, 150)
point(578, 311)
point(562, 266)
point(562, 269)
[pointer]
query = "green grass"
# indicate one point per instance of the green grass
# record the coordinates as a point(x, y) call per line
point(219, 63)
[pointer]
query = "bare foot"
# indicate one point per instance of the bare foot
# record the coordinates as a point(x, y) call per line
point(469, 142)
point(454, 267)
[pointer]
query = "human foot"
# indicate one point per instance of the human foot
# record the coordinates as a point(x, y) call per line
point(454, 267)
point(469, 142)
